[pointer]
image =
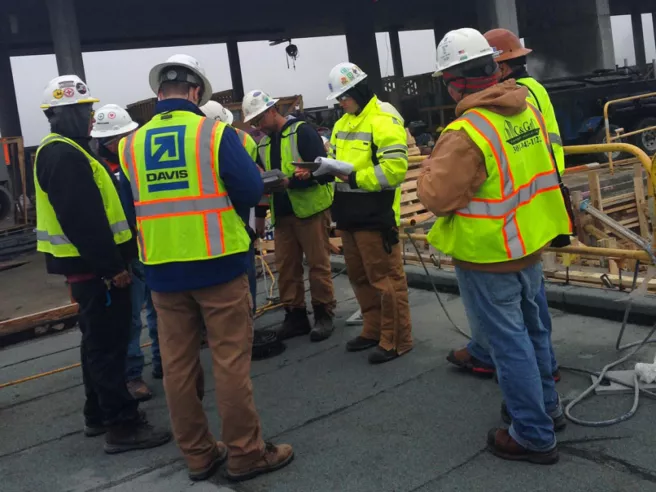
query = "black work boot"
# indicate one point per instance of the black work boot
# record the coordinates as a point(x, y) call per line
point(135, 434)
point(359, 343)
point(323, 324)
point(296, 324)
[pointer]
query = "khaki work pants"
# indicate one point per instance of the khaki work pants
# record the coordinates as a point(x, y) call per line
point(380, 286)
point(226, 310)
point(311, 236)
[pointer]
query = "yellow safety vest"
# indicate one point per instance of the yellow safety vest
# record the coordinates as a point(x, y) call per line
point(248, 143)
point(375, 142)
point(49, 234)
point(539, 97)
point(306, 202)
point(519, 208)
point(182, 206)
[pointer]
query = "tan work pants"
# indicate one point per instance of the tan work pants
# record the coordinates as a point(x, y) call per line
point(227, 312)
point(311, 236)
point(380, 286)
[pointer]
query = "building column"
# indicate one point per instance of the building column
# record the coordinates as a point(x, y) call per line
point(638, 39)
point(493, 14)
point(395, 48)
point(569, 37)
point(9, 120)
point(235, 70)
point(362, 48)
point(66, 37)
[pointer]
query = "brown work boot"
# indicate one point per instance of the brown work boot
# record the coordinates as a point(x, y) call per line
point(323, 324)
point(296, 324)
point(135, 434)
point(220, 455)
point(139, 390)
point(467, 362)
point(501, 444)
point(274, 458)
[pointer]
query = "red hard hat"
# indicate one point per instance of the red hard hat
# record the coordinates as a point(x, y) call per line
point(507, 43)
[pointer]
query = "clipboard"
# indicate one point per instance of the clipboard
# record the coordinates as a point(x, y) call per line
point(272, 179)
point(310, 166)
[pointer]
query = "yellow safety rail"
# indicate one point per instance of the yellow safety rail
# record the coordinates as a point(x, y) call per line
point(609, 138)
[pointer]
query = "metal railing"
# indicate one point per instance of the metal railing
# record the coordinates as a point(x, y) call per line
point(609, 138)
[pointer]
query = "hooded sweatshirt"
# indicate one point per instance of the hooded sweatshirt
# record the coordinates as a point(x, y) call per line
point(455, 171)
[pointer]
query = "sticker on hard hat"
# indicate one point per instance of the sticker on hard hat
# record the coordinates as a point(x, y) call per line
point(256, 94)
point(58, 93)
point(69, 92)
point(171, 74)
point(66, 83)
point(111, 116)
point(100, 117)
point(81, 88)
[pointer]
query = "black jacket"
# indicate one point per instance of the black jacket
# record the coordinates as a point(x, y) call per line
point(310, 146)
point(65, 175)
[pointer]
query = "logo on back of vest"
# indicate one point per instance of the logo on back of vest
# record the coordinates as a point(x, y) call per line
point(166, 165)
point(522, 136)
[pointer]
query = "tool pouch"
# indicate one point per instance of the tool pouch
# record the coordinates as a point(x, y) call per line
point(565, 239)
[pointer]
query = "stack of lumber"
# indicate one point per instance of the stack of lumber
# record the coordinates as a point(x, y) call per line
point(412, 144)
point(629, 209)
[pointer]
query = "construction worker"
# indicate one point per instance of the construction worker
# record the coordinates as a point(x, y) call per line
point(300, 214)
point(189, 176)
point(216, 111)
point(112, 123)
point(82, 229)
point(493, 185)
point(511, 58)
point(367, 212)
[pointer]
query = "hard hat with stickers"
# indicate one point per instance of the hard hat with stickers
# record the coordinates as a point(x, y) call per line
point(255, 103)
point(344, 77)
point(459, 47)
point(65, 91)
point(111, 121)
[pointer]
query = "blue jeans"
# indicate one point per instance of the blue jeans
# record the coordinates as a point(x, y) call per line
point(141, 295)
point(479, 348)
point(503, 307)
point(252, 276)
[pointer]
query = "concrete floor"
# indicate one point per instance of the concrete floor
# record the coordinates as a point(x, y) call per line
point(410, 425)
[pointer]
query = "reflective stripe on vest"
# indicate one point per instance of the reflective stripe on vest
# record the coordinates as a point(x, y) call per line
point(512, 199)
point(364, 136)
point(59, 239)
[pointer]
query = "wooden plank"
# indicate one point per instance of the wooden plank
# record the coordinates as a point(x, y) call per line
point(408, 197)
point(638, 183)
point(618, 199)
point(595, 278)
point(595, 191)
point(626, 208)
point(16, 325)
point(412, 209)
point(409, 185)
point(413, 174)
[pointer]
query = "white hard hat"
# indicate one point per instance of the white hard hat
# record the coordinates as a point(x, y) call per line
point(190, 63)
point(216, 111)
point(112, 120)
point(255, 103)
point(343, 77)
point(66, 90)
point(461, 46)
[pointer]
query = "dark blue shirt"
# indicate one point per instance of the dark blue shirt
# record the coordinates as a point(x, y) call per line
point(244, 186)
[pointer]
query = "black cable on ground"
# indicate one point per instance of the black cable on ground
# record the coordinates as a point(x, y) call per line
point(437, 294)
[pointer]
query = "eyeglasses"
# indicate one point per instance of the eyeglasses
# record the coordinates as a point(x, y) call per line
point(258, 119)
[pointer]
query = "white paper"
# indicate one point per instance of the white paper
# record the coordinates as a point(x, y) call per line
point(646, 372)
point(332, 166)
